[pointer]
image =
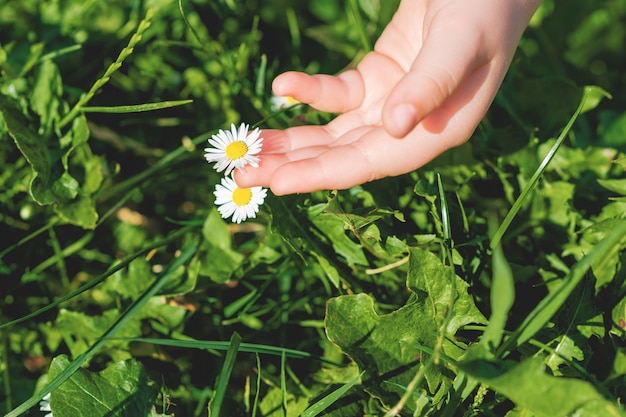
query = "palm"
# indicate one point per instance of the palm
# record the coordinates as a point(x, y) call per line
point(449, 76)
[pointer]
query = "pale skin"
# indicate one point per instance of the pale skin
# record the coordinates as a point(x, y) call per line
point(432, 76)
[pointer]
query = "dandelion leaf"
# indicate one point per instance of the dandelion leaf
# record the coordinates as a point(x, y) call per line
point(531, 388)
point(386, 347)
point(427, 275)
point(353, 324)
point(120, 390)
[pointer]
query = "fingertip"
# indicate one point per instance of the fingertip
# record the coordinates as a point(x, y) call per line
point(282, 84)
point(400, 120)
point(283, 184)
point(243, 179)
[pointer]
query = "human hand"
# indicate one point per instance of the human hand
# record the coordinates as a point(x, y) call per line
point(423, 90)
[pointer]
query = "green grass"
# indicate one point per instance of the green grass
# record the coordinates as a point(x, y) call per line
point(489, 283)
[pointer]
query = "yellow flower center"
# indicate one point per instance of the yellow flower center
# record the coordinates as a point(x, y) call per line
point(242, 196)
point(236, 150)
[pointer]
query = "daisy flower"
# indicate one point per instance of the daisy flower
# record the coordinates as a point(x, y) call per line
point(234, 149)
point(44, 405)
point(282, 102)
point(240, 203)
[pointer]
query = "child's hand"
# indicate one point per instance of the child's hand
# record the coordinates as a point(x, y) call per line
point(429, 81)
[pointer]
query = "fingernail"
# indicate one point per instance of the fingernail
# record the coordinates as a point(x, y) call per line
point(404, 119)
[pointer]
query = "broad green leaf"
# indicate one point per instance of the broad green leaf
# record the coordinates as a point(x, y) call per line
point(615, 134)
point(218, 258)
point(594, 95)
point(46, 187)
point(33, 147)
point(127, 283)
point(616, 185)
point(428, 275)
point(81, 330)
point(364, 335)
point(579, 320)
point(45, 96)
point(619, 366)
point(567, 349)
point(529, 387)
point(289, 223)
point(293, 226)
point(122, 390)
point(334, 228)
point(80, 212)
point(76, 136)
point(330, 272)
point(271, 404)
point(604, 270)
point(169, 314)
point(119, 324)
point(618, 314)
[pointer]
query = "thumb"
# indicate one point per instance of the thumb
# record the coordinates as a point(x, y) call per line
point(445, 60)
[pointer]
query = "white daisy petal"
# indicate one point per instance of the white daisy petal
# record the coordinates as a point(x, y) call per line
point(44, 405)
point(282, 102)
point(234, 149)
point(240, 203)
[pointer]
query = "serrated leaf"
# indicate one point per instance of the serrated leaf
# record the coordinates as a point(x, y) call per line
point(364, 335)
point(120, 390)
point(529, 387)
point(80, 212)
point(427, 274)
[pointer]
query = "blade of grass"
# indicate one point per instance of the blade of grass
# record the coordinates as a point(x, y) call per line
point(6, 372)
point(59, 256)
point(257, 393)
point(100, 278)
point(243, 347)
point(215, 404)
point(283, 384)
point(136, 107)
point(604, 251)
point(100, 82)
point(59, 52)
point(166, 161)
point(355, 14)
point(532, 183)
point(319, 406)
point(502, 294)
point(447, 246)
point(134, 308)
point(53, 221)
